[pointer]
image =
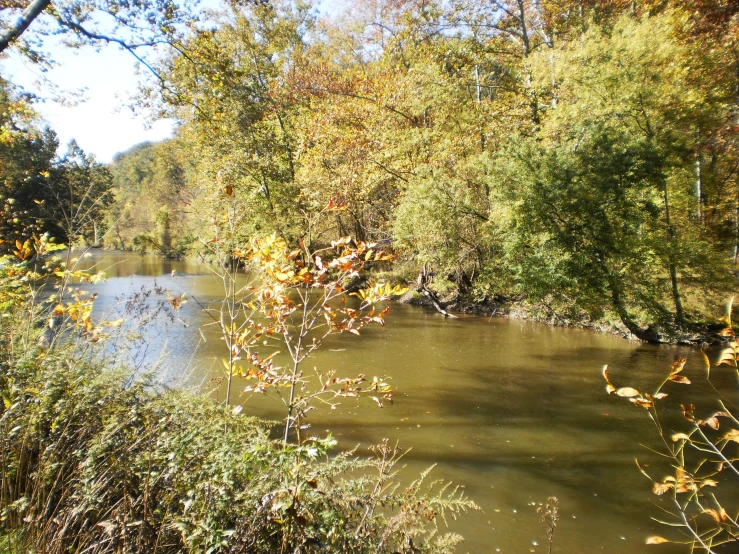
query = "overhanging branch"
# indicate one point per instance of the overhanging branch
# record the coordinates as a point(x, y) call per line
point(29, 14)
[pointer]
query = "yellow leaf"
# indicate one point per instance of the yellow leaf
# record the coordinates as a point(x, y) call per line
point(656, 540)
point(662, 488)
point(732, 435)
point(707, 363)
point(627, 392)
point(678, 366)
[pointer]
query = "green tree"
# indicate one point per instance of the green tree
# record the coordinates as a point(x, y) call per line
point(603, 196)
point(78, 193)
point(153, 199)
point(26, 155)
point(228, 89)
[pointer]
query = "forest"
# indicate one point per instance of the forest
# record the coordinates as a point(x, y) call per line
point(575, 161)
point(568, 161)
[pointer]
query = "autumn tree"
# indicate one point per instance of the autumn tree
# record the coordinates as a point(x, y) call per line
point(227, 87)
point(155, 203)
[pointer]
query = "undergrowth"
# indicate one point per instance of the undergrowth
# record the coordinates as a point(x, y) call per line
point(96, 462)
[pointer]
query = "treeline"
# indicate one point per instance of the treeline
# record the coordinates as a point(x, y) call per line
point(578, 157)
point(152, 207)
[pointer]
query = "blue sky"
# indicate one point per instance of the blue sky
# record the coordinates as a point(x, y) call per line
point(102, 124)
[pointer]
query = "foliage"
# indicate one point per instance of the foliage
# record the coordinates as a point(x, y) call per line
point(303, 296)
point(448, 127)
point(152, 200)
point(94, 461)
point(65, 198)
point(77, 197)
point(602, 195)
point(143, 25)
point(237, 121)
point(292, 299)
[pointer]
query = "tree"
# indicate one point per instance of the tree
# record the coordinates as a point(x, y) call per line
point(616, 148)
point(78, 193)
point(26, 155)
point(153, 199)
point(228, 89)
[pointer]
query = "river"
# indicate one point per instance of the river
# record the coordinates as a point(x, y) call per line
point(513, 411)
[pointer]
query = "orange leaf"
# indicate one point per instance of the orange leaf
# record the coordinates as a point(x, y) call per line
point(714, 514)
point(678, 365)
point(712, 422)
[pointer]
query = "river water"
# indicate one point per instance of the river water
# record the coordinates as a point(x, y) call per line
point(513, 411)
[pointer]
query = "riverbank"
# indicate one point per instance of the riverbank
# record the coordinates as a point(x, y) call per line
point(701, 336)
point(518, 310)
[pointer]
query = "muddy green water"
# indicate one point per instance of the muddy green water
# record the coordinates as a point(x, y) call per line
point(512, 411)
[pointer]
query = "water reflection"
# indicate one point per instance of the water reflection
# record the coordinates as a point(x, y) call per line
point(513, 411)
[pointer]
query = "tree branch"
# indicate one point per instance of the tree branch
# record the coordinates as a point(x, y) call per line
point(29, 14)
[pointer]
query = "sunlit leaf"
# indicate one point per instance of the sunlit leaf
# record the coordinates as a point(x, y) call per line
point(678, 365)
point(732, 435)
point(707, 363)
point(662, 488)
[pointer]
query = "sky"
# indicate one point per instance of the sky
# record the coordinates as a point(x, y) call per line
point(102, 125)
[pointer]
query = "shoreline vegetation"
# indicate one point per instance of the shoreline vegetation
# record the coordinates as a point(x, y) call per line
point(99, 459)
point(579, 161)
point(543, 314)
point(568, 165)
point(452, 304)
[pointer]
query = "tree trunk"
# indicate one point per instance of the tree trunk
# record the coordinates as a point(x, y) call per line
point(671, 260)
point(646, 334)
point(699, 189)
point(422, 287)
